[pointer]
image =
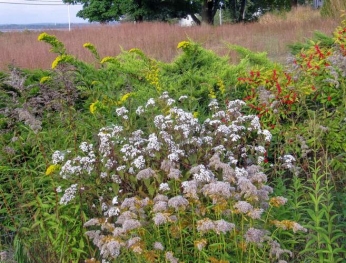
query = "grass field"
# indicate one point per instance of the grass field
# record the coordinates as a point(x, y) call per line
point(158, 40)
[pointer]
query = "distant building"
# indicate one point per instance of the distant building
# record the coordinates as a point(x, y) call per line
point(318, 3)
point(188, 21)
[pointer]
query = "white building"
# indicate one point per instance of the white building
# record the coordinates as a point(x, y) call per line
point(318, 3)
point(188, 21)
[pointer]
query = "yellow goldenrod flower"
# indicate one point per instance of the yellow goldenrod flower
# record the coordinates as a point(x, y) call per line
point(56, 62)
point(135, 50)
point(61, 58)
point(93, 107)
point(221, 86)
point(124, 98)
point(44, 79)
point(51, 169)
point(88, 45)
point(109, 60)
point(92, 49)
point(183, 44)
point(57, 46)
point(42, 36)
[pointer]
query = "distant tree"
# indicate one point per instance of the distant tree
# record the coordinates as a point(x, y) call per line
point(248, 10)
point(105, 11)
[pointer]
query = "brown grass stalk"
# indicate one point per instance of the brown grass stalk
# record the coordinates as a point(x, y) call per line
point(159, 40)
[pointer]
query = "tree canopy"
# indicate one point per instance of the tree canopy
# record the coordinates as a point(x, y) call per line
point(104, 11)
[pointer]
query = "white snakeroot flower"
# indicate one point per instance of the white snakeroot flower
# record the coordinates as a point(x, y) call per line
point(115, 200)
point(288, 161)
point(174, 174)
point(92, 222)
point(158, 246)
point(164, 187)
point(267, 134)
point(182, 98)
point(243, 207)
point(153, 143)
point(217, 189)
point(85, 147)
point(178, 202)
point(201, 174)
point(254, 124)
point(68, 169)
point(139, 162)
point(200, 244)
point(260, 149)
point(275, 249)
point(139, 110)
point(150, 102)
point(260, 160)
point(120, 168)
point(160, 206)
point(170, 258)
point(69, 194)
point(223, 129)
point(223, 226)
point(104, 206)
point(145, 174)
point(116, 179)
point(240, 172)
point(235, 104)
point(205, 225)
point(161, 218)
point(254, 235)
point(209, 140)
point(232, 160)
point(170, 102)
point(58, 157)
point(190, 189)
point(131, 224)
point(121, 111)
point(113, 211)
point(219, 149)
point(109, 163)
point(213, 105)
point(235, 137)
point(133, 241)
point(256, 213)
point(173, 157)
point(103, 174)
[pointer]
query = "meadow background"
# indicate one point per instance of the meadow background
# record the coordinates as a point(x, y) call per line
point(157, 143)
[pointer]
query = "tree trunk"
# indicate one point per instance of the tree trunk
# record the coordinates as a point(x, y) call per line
point(233, 10)
point(139, 17)
point(294, 3)
point(242, 11)
point(207, 12)
point(195, 19)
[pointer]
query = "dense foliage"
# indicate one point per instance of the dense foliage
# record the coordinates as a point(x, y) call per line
point(200, 10)
point(197, 160)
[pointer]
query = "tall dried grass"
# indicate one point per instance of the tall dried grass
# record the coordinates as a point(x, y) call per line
point(159, 40)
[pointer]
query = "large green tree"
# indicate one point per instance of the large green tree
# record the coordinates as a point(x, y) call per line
point(112, 10)
point(201, 11)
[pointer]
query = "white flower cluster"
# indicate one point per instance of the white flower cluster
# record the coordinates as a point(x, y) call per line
point(188, 162)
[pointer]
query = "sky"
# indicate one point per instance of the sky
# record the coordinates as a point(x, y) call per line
point(37, 11)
